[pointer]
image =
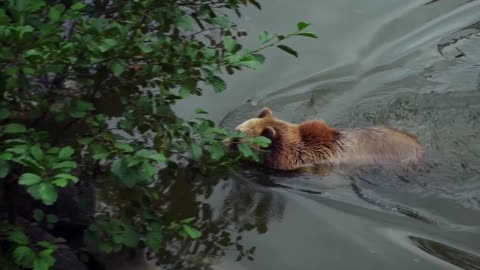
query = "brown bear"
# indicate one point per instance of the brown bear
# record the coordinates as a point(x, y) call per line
point(315, 143)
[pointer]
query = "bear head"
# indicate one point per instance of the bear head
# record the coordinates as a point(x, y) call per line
point(292, 145)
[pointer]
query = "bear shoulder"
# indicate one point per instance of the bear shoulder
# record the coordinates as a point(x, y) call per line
point(318, 130)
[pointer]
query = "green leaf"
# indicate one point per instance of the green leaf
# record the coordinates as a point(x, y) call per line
point(36, 5)
point(237, 134)
point(18, 236)
point(195, 151)
point(84, 105)
point(28, 179)
point(154, 237)
point(100, 156)
point(125, 147)
point(117, 67)
point(217, 83)
point(4, 168)
point(230, 44)
point(107, 44)
point(184, 22)
point(146, 172)
point(80, 108)
point(14, 128)
point(191, 232)
point(45, 192)
point(24, 256)
point(200, 111)
point(259, 58)
point(262, 141)
point(20, 141)
point(28, 70)
point(38, 215)
point(29, 162)
point(252, 60)
point(307, 34)
point(158, 157)
point(288, 50)
point(36, 152)
point(66, 152)
point(117, 239)
point(151, 154)
point(182, 233)
point(132, 161)
point(217, 152)
point(17, 150)
point(121, 171)
point(78, 6)
point(188, 88)
point(130, 237)
point(265, 37)
point(255, 3)
point(55, 13)
point(131, 176)
point(6, 156)
point(44, 261)
point(187, 220)
point(145, 47)
point(60, 182)
point(302, 25)
point(67, 176)
point(220, 131)
point(85, 141)
point(221, 20)
point(246, 151)
point(25, 29)
point(65, 164)
point(33, 52)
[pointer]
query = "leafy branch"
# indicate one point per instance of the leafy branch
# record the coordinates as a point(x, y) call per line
point(269, 39)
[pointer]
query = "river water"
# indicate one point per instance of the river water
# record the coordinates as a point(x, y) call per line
point(411, 64)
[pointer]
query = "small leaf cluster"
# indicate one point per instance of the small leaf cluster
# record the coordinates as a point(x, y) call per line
point(185, 229)
point(112, 234)
point(49, 219)
point(270, 40)
point(49, 167)
point(25, 253)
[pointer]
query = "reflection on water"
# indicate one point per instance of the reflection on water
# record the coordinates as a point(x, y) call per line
point(248, 207)
point(460, 258)
point(244, 208)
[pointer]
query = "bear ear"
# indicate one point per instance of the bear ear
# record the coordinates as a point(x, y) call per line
point(265, 112)
point(269, 132)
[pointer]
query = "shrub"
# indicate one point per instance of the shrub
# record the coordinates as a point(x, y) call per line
point(86, 92)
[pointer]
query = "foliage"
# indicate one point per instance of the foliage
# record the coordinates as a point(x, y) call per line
point(90, 85)
point(26, 254)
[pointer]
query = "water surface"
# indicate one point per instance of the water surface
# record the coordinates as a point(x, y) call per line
point(410, 64)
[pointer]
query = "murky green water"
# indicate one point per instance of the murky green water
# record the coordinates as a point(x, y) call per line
point(411, 64)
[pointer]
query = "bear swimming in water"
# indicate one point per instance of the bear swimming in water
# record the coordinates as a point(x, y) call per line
point(315, 143)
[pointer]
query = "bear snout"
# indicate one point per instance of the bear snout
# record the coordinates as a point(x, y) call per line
point(248, 125)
